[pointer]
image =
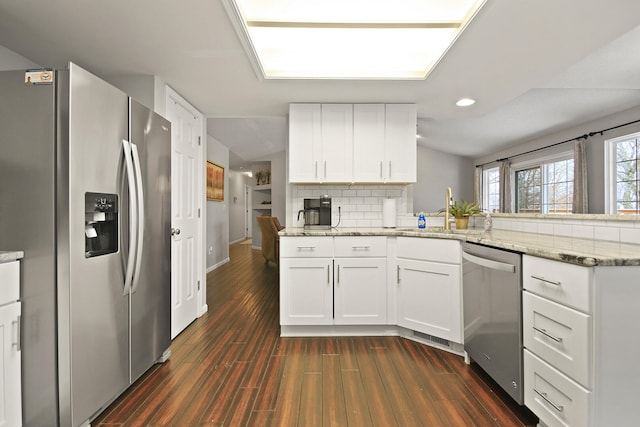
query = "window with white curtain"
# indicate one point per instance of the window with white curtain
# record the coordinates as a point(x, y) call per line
point(622, 175)
point(545, 185)
point(491, 189)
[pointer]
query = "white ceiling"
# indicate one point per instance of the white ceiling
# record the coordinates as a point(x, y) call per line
point(534, 67)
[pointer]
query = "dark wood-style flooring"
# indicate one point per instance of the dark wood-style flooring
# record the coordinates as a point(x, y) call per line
point(231, 368)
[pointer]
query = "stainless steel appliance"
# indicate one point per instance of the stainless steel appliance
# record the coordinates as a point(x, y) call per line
point(317, 212)
point(492, 300)
point(85, 192)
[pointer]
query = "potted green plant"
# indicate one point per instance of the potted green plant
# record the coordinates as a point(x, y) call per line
point(462, 210)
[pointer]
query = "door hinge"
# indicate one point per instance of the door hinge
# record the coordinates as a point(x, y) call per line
point(199, 140)
point(198, 212)
point(198, 284)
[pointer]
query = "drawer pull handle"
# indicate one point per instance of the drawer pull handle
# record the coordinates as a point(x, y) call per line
point(551, 282)
point(360, 248)
point(547, 334)
point(558, 408)
point(309, 248)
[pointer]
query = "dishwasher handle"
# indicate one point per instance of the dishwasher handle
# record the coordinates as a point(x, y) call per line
point(488, 263)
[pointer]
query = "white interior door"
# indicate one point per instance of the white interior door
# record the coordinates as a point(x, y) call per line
point(186, 161)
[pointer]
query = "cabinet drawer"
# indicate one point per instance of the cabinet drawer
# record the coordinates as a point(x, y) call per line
point(306, 247)
point(559, 335)
point(553, 397)
point(361, 246)
point(425, 249)
point(9, 282)
point(567, 284)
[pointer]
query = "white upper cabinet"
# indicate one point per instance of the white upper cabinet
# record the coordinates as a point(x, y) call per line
point(384, 143)
point(305, 140)
point(336, 163)
point(400, 142)
point(321, 143)
point(368, 143)
point(345, 143)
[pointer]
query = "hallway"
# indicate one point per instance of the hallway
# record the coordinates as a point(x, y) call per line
point(231, 368)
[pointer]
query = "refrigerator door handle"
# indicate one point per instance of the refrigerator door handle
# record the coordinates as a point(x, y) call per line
point(133, 215)
point(140, 218)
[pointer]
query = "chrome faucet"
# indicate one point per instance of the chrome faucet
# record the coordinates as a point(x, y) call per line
point(447, 204)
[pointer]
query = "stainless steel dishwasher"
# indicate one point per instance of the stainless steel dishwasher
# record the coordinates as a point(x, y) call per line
point(492, 300)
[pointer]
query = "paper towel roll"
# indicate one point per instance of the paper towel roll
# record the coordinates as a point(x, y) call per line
point(389, 213)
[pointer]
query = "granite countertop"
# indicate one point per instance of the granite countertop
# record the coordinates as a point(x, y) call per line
point(8, 256)
point(586, 252)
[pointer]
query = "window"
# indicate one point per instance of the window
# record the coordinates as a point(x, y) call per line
point(545, 186)
point(622, 171)
point(491, 190)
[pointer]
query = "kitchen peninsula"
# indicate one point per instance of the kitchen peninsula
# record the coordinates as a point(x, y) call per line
point(580, 302)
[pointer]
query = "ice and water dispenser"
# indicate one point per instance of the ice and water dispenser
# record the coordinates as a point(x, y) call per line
point(100, 224)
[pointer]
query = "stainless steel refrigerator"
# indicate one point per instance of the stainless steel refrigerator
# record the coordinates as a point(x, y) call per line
point(85, 193)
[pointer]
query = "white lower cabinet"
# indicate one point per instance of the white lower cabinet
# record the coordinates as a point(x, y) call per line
point(581, 353)
point(306, 291)
point(429, 287)
point(327, 281)
point(428, 298)
point(10, 365)
point(552, 396)
point(360, 291)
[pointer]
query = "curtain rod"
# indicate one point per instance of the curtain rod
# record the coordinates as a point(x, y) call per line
point(577, 138)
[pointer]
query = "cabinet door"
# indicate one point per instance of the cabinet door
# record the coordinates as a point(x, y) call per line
point(306, 291)
point(429, 298)
point(368, 143)
point(360, 291)
point(337, 143)
point(400, 142)
point(305, 139)
point(10, 386)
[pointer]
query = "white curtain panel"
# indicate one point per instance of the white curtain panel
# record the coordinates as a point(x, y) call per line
point(580, 199)
point(505, 186)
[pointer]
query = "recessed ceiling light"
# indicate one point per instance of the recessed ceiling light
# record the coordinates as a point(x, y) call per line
point(341, 39)
point(465, 102)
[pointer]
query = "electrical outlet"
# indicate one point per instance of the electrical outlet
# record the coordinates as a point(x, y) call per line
point(210, 250)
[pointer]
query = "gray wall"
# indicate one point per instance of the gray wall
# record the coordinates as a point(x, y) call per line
point(140, 87)
point(218, 212)
point(9, 60)
point(595, 150)
point(436, 172)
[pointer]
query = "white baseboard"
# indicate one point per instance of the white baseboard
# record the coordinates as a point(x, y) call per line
point(203, 310)
point(213, 267)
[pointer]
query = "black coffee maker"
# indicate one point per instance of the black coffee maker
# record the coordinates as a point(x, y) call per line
point(317, 212)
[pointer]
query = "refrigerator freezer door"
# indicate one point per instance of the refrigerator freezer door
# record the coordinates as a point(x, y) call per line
point(151, 301)
point(93, 309)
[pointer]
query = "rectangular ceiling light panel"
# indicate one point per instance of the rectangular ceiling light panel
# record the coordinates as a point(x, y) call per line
point(351, 39)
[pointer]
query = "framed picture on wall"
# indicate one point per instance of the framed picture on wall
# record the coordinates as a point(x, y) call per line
point(215, 182)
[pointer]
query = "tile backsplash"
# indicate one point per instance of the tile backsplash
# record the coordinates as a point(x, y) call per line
point(361, 206)
point(601, 227)
point(352, 205)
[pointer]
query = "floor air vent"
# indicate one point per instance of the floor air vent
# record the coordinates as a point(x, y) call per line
point(431, 338)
